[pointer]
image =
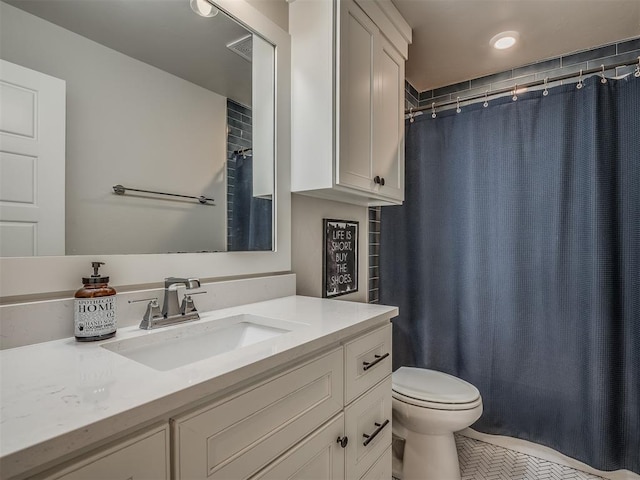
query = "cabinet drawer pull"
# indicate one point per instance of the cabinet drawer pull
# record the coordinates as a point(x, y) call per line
point(343, 441)
point(369, 438)
point(379, 358)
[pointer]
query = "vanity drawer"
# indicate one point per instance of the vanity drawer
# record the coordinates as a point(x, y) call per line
point(144, 456)
point(240, 434)
point(381, 470)
point(368, 427)
point(367, 361)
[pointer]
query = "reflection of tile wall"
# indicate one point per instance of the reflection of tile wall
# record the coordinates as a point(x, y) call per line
point(627, 50)
point(238, 137)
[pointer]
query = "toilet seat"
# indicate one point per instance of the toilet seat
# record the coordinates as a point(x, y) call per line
point(431, 389)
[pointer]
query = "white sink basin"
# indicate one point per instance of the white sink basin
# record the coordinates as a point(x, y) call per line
point(176, 347)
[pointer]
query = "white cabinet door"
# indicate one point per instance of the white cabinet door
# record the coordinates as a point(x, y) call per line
point(143, 457)
point(319, 457)
point(239, 435)
point(371, 99)
point(368, 426)
point(358, 52)
point(388, 160)
point(32, 157)
point(381, 470)
point(347, 100)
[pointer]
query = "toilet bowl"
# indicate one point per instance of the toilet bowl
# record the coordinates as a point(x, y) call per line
point(428, 406)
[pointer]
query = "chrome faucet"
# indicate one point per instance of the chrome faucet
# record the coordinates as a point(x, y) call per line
point(170, 304)
point(172, 310)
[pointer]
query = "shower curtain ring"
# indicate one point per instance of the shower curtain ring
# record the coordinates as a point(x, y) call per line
point(486, 101)
point(458, 109)
point(515, 90)
point(545, 92)
point(411, 115)
point(637, 72)
point(580, 84)
point(603, 80)
point(433, 110)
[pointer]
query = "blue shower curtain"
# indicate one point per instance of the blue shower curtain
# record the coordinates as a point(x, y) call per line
point(515, 261)
point(250, 217)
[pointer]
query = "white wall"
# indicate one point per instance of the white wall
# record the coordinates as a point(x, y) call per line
point(138, 126)
point(306, 243)
point(276, 10)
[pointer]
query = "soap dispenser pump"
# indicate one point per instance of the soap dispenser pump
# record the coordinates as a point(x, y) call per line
point(95, 308)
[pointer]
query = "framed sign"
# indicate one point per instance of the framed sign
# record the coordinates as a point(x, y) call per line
point(339, 258)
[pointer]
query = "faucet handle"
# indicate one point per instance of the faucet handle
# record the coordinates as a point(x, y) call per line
point(143, 300)
point(153, 312)
point(187, 305)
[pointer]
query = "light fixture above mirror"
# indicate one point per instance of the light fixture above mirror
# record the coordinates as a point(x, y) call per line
point(204, 8)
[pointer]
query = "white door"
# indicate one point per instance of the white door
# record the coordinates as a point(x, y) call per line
point(32, 156)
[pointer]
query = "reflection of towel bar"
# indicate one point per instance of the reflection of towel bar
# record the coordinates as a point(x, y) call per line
point(120, 190)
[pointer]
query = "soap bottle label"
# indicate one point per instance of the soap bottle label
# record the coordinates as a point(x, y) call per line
point(95, 316)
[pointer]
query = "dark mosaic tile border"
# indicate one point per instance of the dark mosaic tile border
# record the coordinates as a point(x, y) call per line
point(239, 136)
point(374, 254)
point(627, 50)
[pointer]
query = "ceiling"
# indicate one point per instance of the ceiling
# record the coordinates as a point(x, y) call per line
point(451, 37)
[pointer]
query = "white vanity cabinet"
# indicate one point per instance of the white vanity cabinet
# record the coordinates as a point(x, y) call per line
point(145, 456)
point(289, 425)
point(348, 100)
point(319, 456)
point(367, 401)
point(239, 435)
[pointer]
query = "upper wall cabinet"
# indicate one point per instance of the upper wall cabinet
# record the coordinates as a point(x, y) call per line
point(348, 100)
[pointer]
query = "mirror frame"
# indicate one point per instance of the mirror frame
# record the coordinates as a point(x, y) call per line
point(48, 276)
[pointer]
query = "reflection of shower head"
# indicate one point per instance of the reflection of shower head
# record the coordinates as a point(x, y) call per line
point(243, 47)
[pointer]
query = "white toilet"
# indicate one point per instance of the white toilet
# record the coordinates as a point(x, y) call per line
point(428, 406)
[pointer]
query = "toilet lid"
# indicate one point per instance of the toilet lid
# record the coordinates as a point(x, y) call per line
point(432, 386)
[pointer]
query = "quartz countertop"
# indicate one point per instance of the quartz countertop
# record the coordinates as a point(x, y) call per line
point(60, 396)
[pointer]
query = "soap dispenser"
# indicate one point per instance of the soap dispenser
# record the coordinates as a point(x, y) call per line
point(95, 308)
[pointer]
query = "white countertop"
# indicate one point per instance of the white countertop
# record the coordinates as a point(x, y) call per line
point(59, 396)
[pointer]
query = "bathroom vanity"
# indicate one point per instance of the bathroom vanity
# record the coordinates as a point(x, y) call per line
point(299, 387)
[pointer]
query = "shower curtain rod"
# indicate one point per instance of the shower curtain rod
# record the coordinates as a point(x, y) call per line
point(517, 86)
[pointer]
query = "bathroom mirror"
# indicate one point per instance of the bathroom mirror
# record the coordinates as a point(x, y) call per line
point(163, 101)
point(55, 275)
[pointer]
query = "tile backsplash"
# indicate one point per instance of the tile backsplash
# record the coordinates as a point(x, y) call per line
point(627, 50)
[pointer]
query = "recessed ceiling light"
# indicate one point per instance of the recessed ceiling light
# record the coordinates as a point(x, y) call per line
point(203, 8)
point(504, 40)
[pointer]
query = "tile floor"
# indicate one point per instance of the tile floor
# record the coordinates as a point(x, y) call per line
point(484, 461)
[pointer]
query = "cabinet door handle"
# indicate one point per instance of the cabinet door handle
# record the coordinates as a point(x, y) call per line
point(379, 358)
point(369, 438)
point(378, 180)
point(343, 441)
